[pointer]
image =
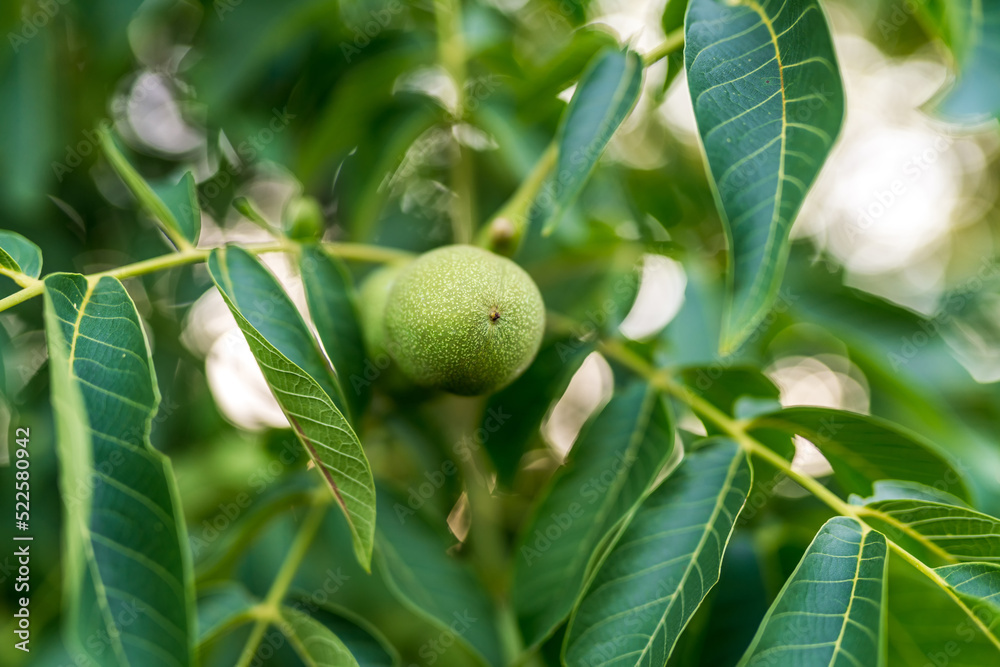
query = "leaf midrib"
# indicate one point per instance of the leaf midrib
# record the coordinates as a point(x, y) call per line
point(776, 214)
point(734, 468)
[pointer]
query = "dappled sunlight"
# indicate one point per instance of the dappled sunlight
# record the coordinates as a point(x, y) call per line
point(588, 391)
point(899, 184)
point(660, 296)
point(826, 380)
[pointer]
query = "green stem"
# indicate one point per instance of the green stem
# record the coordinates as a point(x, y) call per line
point(452, 54)
point(270, 609)
point(356, 251)
point(673, 42)
point(506, 229)
point(485, 535)
point(140, 188)
point(737, 429)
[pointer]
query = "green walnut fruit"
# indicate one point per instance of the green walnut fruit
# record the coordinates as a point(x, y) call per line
point(372, 297)
point(462, 319)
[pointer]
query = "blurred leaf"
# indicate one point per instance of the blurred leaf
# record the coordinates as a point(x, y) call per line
point(978, 584)
point(248, 210)
point(295, 371)
point(898, 489)
point(723, 387)
point(931, 623)
point(314, 642)
point(673, 19)
point(19, 257)
point(862, 449)
point(365, 643)
point(950, 533)
point(971, 30)
point(516, 412)
point(216, 562)
point(830, 610)
point(607, 473)
point(543, 83)
point(181, 199)
point(413, 557)
point(222, 608)
point(332, 304)
point(359, 97)
point(148, 199)
point(30, 130)
point(127, 566)
point(603, 99)
point(769, 104)
point(655, 577)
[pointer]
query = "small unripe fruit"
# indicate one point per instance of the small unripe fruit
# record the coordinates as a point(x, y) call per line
point(462, 319)
point(373, 295)
point(304, 218)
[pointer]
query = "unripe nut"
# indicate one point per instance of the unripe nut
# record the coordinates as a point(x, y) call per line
point(462, 319)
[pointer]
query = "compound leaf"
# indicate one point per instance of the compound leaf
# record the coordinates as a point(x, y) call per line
point(302, 384)
point(769, 103)
point(657, 574)
point(603, 99)
point(19, 256)
point(609, 470)
point(127, 567)
point(831, 610)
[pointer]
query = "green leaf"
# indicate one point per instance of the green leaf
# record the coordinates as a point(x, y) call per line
point(948, 532)
point(127, 567)
point(514, 415)
point(214, 560)
point(671, 20)
point(181, 199)
point(331, 297)
point(656, 576)
point(978, 584)
point(248, 210)
point(932, 623)
point(222, 608)
point(831, 610)
point(769, 104)
point(729, 389)
point(607, 473)
point(413, 558)
point(971, 28)
point(365, 642)
point(19, 256)
point(603, 99)
point(863, 449)
point(148, 198)
point(313, 641)
point(897, 489)
point(301, 383)
point(263, 302)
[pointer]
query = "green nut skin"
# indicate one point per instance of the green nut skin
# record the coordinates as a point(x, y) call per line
point(462, 319)
point(372, 297)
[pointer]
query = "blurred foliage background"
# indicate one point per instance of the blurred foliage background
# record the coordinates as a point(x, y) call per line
point(889, 306)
